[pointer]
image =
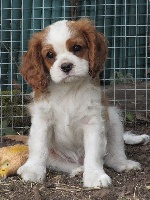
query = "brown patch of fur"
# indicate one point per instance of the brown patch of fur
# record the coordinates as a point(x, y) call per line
point(105, 103)
point(45, 50)
point(33, 69)
point(96, 44)
point(78, 39)
point(96, 80)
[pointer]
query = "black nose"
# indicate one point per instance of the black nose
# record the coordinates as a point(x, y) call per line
point(66, 67)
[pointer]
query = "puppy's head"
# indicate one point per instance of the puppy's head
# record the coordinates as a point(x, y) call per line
point(64, 51)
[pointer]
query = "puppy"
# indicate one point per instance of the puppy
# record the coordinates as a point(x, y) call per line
point(73, 127)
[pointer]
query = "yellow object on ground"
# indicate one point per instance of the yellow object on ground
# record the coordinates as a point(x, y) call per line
point(11, 158)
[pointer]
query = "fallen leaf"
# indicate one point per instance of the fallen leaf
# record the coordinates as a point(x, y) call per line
point(148, 187)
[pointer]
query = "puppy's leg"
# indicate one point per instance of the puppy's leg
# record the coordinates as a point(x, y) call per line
point(116, 157)
point(95, 146)
point(35, 167)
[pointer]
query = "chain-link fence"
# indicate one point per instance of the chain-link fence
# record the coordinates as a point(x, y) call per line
point(126, 25)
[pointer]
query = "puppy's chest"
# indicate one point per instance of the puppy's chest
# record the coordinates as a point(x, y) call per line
point(68, 114)
point(69, 109)
point(72, 106)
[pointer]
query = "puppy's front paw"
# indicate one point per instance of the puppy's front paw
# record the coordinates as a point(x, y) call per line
point(32, 172)
point(96, 179)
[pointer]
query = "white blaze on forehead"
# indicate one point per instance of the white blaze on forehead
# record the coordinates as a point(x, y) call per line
point(58, 34)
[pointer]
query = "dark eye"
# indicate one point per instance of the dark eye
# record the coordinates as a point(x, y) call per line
point(77, 48)
point(50, 55)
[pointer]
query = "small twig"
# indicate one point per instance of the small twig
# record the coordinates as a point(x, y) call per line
point(72, 189)
point(68, 189)
point(134, 195)
point(4, 191)
point(37, 195)
point(90, 189)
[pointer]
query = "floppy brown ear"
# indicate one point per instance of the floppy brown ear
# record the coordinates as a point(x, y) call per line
point(33, 69)
point(97, 45)
point(98, 54)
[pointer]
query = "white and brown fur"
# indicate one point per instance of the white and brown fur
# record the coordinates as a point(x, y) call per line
point(73, 127)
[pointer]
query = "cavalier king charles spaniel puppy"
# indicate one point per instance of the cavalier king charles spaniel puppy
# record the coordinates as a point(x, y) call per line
point(73, 128)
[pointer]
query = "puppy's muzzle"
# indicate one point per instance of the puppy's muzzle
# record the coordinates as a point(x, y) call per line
point(66, 67)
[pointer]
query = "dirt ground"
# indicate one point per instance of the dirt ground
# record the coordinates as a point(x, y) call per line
point(133, 185)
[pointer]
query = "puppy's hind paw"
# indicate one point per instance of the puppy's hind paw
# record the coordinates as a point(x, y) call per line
point(131, 138)
point(77, 171)
point(145, 139)
point(133, 165)
point(127, 166)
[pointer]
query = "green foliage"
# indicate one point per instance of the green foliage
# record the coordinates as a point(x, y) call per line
point(7, 130)
point(13, 110)
point(130, 117)
point(119, 78)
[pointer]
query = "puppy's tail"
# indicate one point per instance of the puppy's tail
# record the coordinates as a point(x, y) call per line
point(130, 138)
